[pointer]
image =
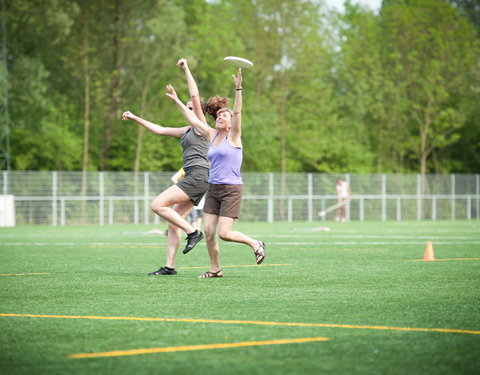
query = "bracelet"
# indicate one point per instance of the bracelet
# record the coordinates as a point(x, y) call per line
point(238, 89)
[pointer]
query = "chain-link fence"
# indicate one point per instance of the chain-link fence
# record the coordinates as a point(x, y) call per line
point(66, 198)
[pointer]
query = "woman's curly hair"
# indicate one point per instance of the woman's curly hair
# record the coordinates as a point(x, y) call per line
point(214, 104)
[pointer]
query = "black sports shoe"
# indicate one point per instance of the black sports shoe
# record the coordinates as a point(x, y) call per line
point(164, 271)
point(192, 240)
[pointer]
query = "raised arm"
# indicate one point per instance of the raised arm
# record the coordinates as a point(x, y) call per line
point(193, 90)
point(154, 128)
point(236, 130)
point(199, 127)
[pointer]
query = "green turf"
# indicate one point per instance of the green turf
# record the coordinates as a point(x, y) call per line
point(358, 274)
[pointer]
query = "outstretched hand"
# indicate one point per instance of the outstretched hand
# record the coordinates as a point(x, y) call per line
point(238, 79)
point(128, 115)
point(182, 63)
point(171, 92)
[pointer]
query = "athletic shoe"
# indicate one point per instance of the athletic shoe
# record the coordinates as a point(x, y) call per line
point(164, 271)
point(192, 240)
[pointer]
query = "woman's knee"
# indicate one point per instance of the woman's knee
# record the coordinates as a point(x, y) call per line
point(173, 228)
point(224, 235)
point(157, 206)
point(209, 233)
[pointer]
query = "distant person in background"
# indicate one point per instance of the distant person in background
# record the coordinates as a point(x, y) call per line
point(184, 194)
point(343, 197)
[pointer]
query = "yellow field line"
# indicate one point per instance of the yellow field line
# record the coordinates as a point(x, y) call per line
point(22, 274)
point(125, 246)
point(246, 265)
point(170, 349)
point(254, 322)
point(421, 260)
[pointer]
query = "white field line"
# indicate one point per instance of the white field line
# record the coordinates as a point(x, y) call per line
point(325, 236)
point(329, 235)
point(316, 242)
point(375, 243)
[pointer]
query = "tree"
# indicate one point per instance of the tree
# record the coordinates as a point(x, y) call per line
point(471, 9)
point(434, 59)
point(43, 132)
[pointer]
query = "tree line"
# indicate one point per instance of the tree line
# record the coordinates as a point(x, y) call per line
point(360, 91)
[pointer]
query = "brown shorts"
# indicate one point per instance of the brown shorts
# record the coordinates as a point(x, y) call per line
point(223, 200)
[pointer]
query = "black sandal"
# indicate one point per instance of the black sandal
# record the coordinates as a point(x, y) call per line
point(209, 274)
point(260, 253)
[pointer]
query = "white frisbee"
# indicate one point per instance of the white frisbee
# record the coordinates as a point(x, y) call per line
point(239, 62)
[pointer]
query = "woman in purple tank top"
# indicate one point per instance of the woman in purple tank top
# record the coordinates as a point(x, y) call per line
point(222, 203)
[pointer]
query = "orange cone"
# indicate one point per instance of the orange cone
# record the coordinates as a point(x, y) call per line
point(428, 256)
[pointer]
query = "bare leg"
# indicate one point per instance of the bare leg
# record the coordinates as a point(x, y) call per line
point(338, 215)
point(226, 233)
point(343, 213)
point(160, 205)
point(174, 232)
point(199, 223)
point(210, 228)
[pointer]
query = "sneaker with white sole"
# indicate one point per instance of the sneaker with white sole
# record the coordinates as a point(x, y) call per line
point(192, 240)
point(164, 271)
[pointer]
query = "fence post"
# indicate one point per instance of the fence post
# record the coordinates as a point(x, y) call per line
point(270, 197)
point(101, 194)
point(135, 201)
point(478, 196)
point(54, 198)
point(5, 182)
point(62, 212)
point(110, 211)
point(419, 197)
point(362, 209)
point(310, 196)
point(347, 206)
point(452, 182)
point(384, 198)
point(399, 209)
point(146, 193)
point(290, 216)
point(135, 210)
point(434, 208)
point(323, 205)
point(469, 207)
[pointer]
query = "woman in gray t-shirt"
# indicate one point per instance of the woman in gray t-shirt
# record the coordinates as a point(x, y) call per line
point(184, 195)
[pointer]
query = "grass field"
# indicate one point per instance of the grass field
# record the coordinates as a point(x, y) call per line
point(354, 300)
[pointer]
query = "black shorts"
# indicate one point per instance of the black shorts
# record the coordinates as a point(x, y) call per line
point(195, 183)
point(223, 200)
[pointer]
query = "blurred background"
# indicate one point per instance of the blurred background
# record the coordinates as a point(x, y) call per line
point(386, 86)
point(384, 94)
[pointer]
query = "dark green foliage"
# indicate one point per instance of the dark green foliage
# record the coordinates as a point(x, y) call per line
point(392, 91)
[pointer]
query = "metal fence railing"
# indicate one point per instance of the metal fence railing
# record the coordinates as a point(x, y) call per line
point(57, 197)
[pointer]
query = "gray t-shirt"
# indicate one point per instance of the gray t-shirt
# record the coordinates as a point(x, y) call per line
point(195, 149)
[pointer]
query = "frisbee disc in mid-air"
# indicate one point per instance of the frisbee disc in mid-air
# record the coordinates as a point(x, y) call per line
point(239, 62)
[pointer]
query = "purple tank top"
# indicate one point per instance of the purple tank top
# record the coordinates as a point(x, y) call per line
point(225, 163)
